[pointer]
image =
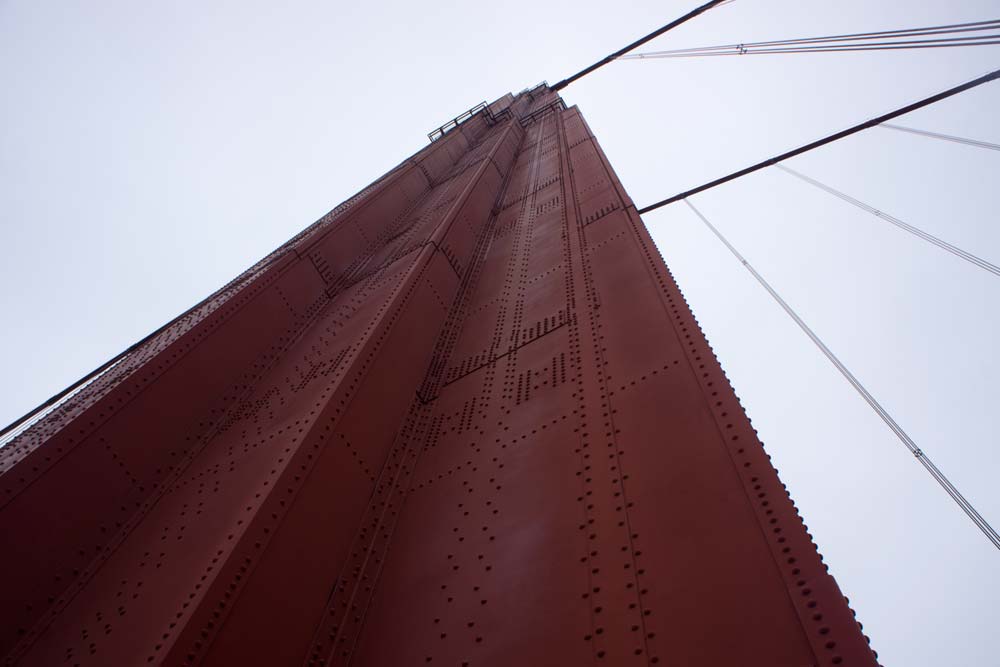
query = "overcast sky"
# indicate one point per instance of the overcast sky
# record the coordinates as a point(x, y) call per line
point(151, 151)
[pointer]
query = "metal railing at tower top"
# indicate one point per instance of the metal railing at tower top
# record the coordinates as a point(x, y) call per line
point(434, 135)
point(493, 117)
point(482, 108)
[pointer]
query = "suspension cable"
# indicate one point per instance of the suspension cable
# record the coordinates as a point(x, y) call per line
point(639, 42)
point(826, 140)
point(908, 442)
point(940, 36)
point(896, 46)
point(744, 50)
point(919, 233)
point(946, 137)
point(881, 34)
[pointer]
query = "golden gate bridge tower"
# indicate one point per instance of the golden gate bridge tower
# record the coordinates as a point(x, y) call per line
point(466, 418)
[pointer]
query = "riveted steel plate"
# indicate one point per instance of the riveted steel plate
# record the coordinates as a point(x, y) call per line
point(466, 418)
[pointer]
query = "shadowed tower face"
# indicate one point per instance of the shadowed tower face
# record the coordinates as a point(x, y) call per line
point(466, 418)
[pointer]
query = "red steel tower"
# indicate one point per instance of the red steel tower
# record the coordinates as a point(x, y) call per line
point(466, 418)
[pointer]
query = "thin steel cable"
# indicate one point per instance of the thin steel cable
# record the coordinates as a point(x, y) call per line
point(844, 49)
point(904, 32)
point(858, 37)
point(984, 40)
point(919, 233)
point(908, 442)
point(946, 137)
point(893, 34)
point(830, 42)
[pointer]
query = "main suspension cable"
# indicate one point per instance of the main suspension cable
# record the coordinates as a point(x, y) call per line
point(919, 233)
point(946, 137)
point(907, 441)
point(826, 140)
point(940, 36)
point(637, 43)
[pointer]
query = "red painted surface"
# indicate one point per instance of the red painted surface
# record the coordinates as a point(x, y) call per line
point(465, 418)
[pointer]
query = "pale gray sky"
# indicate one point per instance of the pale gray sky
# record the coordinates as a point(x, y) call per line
point(151, 151)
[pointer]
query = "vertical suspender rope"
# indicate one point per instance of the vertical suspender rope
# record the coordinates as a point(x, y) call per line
point(919, 233)
point(945, 137)
point(908, 442)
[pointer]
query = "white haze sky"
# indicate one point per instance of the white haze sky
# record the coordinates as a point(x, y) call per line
point(151, 151)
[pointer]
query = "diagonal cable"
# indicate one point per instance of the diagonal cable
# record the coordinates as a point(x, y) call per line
point(907, 441)
point(946, 137)
point(985, 40)
point(954, 28)
point(919, 233)
point(940, 36)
